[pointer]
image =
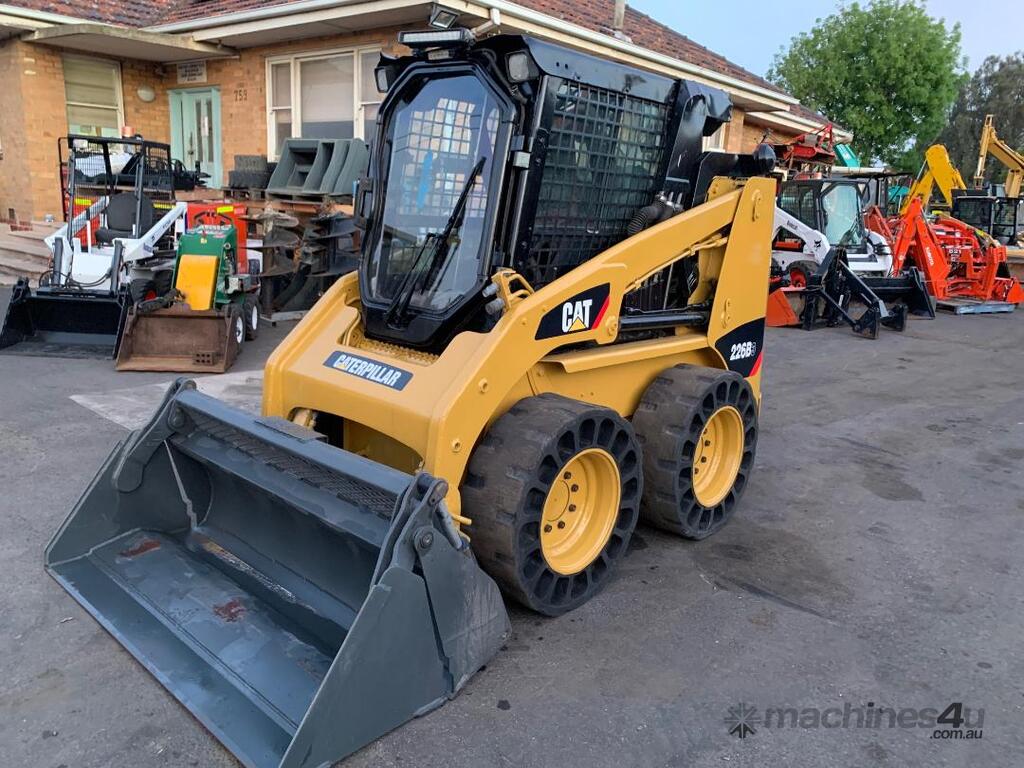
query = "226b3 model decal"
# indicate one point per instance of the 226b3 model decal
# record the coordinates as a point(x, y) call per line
point(742, 348)
point(582, 312)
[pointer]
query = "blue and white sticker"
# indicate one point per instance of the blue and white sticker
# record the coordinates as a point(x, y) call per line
point(370, 370)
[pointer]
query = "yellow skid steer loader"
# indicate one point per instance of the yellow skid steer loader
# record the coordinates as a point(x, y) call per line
point(556, 329)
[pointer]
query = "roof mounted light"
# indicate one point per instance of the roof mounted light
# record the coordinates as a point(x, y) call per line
point(443, 18)
point(437, 39)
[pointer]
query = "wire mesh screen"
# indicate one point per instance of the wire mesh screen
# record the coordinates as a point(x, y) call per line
point(444, 144)
point(604, 154)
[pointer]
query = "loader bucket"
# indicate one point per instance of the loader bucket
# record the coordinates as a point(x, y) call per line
point(59, 322)
point(179, 339)
point(784, 305)
point(298, 599)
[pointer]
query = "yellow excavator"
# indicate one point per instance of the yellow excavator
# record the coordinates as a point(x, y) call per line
point(937, 173)
point(991, 144)
point(998, 215)
point(556, 330)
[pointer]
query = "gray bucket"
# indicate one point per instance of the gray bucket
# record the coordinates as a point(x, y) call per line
point(299, 600)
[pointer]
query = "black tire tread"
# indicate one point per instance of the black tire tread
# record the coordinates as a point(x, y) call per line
point(663, 420)
point(248, 304)
point(501, 473)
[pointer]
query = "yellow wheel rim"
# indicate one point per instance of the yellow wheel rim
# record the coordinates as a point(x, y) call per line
point(580, 511)
point(716, 462)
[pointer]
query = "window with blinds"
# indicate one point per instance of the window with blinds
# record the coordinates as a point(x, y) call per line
point(92, 91)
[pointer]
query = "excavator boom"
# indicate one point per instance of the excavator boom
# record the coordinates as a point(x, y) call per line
point(991, 144)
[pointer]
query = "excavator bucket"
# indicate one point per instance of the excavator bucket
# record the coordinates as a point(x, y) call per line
point(783, 309)
point(63, 322)
point(180, 339)
point(298, 599)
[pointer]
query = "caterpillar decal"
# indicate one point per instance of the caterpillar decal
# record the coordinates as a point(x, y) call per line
point(371, 370)
point(582, 312)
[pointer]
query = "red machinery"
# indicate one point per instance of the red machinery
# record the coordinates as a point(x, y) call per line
point(957, 261)
point(813, 151)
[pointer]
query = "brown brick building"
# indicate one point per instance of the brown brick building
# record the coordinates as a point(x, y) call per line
point(216, 78)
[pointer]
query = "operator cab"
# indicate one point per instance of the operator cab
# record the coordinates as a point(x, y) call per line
point(519, 153)
point(1001, 217)
point(835, 207)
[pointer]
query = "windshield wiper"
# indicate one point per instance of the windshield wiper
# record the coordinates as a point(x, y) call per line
point(434, 253)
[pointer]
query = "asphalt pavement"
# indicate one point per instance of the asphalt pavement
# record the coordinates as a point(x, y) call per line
point(874, 564)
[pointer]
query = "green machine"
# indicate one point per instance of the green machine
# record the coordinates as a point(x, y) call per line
point(200, 325)
point(207, 262)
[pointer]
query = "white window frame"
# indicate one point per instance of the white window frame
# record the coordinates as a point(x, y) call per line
point(294, 60)
point(118, 89)
point(716, 141)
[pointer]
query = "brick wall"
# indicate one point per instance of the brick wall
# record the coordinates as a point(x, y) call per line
point(31, 121)
point(151, 119)
point(45, 116)
point(14, 162)
point(243, 87)
point(36, 116)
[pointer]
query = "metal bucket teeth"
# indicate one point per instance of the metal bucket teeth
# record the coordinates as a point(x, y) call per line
point(275, 584)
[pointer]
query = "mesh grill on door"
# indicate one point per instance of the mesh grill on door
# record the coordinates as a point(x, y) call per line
point(602, 164)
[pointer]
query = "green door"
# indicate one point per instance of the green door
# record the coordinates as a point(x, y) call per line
point(195, 131)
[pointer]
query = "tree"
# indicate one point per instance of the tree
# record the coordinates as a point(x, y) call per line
point(997, 88)
point(886, 71)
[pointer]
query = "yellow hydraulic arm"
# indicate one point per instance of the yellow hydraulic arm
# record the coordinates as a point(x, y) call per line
point(938, 171)
point(991, 144)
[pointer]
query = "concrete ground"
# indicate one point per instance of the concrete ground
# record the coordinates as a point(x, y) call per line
point(876, 557)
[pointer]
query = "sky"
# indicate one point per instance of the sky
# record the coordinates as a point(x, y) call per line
point(750, 33)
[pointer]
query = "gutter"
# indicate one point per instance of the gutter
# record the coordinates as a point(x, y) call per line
point(482, 8)
point(33, 15)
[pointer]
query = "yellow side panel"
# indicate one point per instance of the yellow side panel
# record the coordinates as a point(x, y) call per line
point(197, 279)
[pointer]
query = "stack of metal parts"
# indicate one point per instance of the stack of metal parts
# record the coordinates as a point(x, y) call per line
point(318, 167)
point(329, 244)
point(299, 267)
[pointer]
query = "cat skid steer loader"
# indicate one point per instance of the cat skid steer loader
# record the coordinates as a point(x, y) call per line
point(556, 329)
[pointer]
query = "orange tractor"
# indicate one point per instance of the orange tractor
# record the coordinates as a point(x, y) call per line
point(962, 266)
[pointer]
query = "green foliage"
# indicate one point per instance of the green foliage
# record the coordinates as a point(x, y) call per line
point(886, 71)
point(997, 88)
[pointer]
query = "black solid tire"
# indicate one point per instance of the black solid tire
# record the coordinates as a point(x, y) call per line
point(244, 179)
point(251, 313)
point(139, 287)
point(668, 421)
point(163, 282)
point(257, 163)
point(506, 485)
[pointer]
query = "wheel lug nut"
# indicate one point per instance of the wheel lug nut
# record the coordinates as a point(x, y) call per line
point(561, 524)
point(572, 507)
point(547, 529)
point(707, 443)
point(574, 488)
point(703, 459)
point(567, 476)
